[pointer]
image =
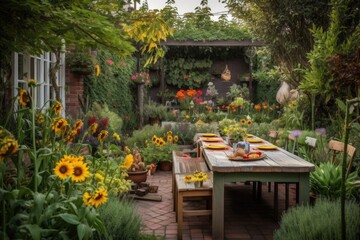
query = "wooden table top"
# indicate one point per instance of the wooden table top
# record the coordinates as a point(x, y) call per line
point(278, 160)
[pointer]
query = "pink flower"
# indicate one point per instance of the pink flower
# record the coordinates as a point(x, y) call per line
point(109, 61)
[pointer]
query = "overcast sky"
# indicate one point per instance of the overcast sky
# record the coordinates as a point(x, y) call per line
point(185, 6)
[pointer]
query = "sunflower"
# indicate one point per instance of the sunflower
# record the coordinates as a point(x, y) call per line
point(97, 70)
point(78, 124)
point(8, 146)
point(242, 121)
point(103, 135)
point(188, 179)
point(59, 125)
point(99, 197)
point(40, 119)
point(116, 136)
point(94, 127)
point(249, 122)
point(162, 142)
point(128, 161)
point(63, 169)
point(169, 138)
point(24, 97)
point(99, 177)
point(72, 158)
point(87, 198)
point(80, 171)
point(56, 108)
point(154, 138)
point(31, 83)
point(70, 137)
point(176, 138)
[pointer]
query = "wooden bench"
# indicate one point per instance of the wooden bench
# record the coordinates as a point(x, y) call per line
point(182, 191)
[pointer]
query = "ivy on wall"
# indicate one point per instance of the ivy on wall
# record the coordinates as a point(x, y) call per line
point(114, 87)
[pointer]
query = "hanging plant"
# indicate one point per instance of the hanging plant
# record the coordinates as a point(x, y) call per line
point(80, 62)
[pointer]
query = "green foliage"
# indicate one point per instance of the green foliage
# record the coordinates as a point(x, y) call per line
point(80, 61)
point(238, 91)
point(185, 132)
point(188, 72)
point(153, 153)
point(139, 137)
point(115, 121)
point(154, 110)
point(120, 219)
point(113, 87)
point(326, 181)
point(261, 129)
point(321, 222)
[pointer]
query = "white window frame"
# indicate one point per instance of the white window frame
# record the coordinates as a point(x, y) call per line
point(38, 68)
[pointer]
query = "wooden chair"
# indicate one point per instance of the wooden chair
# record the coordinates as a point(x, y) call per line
point(338, 147)
point(182, 191)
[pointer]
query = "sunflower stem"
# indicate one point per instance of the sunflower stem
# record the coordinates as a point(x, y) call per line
point(4, 219)
point(52, 185)
point(34, 141)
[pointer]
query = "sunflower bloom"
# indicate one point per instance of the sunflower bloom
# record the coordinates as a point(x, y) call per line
point(59, 125)
point(242, 121)
point(169, 138)
point(154, 138)
point(249, 122)
point(8, 146)
point(103, 135)
point(57, 107)
point(99, 197)
point(176, 138)
point(116, 136)
point(72, 158)
point(94, 127)
point(87, 198)
point(99, 177)
point(78, 124)
point(97, 70)
point(80, 171)
point(31, 83)
point(128, 161)
point(24, 97)
point(63, 169)
point(40, 119)
point(71, 136)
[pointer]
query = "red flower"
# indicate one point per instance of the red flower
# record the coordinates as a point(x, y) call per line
point(109, 61)
point(104, 122)
point(199, 92)
point(91, 121)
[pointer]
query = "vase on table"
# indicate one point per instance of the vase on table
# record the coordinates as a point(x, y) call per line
point(199, 184)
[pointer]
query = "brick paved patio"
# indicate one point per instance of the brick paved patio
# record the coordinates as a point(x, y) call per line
point(245, 218)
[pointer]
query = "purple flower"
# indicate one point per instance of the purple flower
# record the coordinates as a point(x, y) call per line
point(320, 131)
point(296, 133)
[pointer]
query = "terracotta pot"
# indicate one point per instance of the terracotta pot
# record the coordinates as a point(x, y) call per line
point(137, 177)
point(165, 165)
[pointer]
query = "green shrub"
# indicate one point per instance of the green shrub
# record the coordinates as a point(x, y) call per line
point(140, 136)
point(120, 219)
point(154, 110)
point(185, 132)
point(321, 222)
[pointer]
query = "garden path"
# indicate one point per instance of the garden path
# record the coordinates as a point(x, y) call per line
point(244, 217)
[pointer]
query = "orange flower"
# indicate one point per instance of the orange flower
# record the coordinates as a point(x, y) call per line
point(257, 107)
point(191, 92)
point(180, 95)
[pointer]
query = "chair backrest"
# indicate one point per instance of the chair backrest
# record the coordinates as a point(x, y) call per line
point(273, 135)
point(336, 147)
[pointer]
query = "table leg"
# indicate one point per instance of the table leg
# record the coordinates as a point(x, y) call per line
point(304, 188)
point(218, 207)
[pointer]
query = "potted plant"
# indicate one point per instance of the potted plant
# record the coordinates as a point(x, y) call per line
point(159, 151)
point(154, 112)
point(137, 170)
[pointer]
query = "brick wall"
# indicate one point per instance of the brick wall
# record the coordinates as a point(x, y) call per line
point(74, 85)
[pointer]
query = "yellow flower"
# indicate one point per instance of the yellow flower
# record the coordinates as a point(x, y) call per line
point(128, 161)
point(169, 133)
point(80, 171)
point(72, 158)
point(249, 122)
point(87, 198)
point(242, 121)
point(99, 176)
point(199, 122)
point(188, 178)
point(127, 149)
point(169, 138)
point(116, 136)
point(63, 169)
point(94, 127)
point(24, 97)
point(176, 138)
point(100, 197)
point(154, 138)
point(187, 117)
point(78, 124)
point(56, 108)
point(40, 119)
point(31, 83)
point(71, 136)
point(8, 146)
point(103, 135)
point(59, 125)
point(97, 70)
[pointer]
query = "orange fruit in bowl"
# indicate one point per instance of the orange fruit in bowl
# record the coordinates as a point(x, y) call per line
point(254, 155)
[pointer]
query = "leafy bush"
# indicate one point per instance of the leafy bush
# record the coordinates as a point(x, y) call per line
point(140, 136)
point(326, 181)
point(321, 222)
point(185, 132)
point(154, 110)
point(120, 219)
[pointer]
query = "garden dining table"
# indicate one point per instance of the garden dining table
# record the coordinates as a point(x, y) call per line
point(277, 165)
